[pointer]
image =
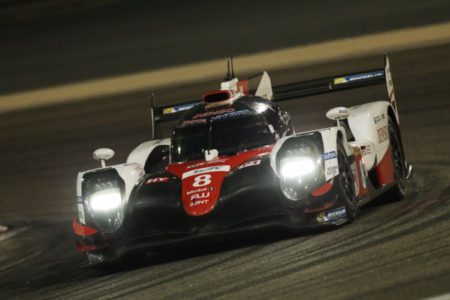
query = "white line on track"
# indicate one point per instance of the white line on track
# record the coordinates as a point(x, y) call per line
point(9, 233)
point(440, 297)
point(278, 59)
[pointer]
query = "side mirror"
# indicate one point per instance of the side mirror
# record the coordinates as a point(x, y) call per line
point(338, 113)
point(211, 154)
point(103, 154)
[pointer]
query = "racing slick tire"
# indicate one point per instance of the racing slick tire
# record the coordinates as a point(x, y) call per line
point(345, 180)
point(398, 192)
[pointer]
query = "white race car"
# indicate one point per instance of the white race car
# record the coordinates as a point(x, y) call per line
point(234, 162)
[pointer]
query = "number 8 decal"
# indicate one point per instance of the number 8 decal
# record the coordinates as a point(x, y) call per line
point(202, 180)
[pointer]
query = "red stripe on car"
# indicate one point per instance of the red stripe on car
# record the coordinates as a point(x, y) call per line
point(323, 189)
point(385, 169)
point(202, 180)
point(82, 230)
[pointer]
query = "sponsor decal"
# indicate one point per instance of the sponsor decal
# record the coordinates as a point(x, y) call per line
point(378, 118)
point(242, 112)
point(205, 163)
point(213, 113)
point(357, 77)
point(382, 134)
point(223, 168)
point(202, 195)
point(329, 155)
point(157, 180)
point(216, 115)
point(193, 122)
point(175, 109)
point(250, 163)
point(335, 214)
point(80, 208)
point(199, 202)
point(331, 215)
point(200, 190)
point(332, 171)
point(196, 165)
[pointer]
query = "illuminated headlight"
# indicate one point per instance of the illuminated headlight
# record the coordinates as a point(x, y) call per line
point(105, 200)
point(299, 167)
point(104, 194)
point(296, 167)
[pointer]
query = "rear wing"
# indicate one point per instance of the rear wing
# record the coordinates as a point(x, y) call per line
point(298, 90)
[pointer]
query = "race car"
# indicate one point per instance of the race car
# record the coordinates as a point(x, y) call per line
point(235, 163)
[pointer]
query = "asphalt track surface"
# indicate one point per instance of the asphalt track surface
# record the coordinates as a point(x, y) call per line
point(392, 250)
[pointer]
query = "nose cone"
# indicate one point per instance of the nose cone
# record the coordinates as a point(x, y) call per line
point(201, 189)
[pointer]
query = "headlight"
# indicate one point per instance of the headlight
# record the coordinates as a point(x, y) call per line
point(299, 166)
point(106, 200)
point(104, 194)
point(296, 167)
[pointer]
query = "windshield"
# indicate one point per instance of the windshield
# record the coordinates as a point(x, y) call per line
point(228, 137)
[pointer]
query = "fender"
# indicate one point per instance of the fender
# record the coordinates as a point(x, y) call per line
point(369, 125)
point(140, 154)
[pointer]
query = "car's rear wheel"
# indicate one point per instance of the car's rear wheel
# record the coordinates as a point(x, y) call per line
point(346, 183)
point(398, 161)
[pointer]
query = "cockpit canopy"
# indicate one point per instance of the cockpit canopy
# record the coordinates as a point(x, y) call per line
point(248, 123)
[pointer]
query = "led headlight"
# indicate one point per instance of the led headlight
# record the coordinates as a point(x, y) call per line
point(296, 167)
point(299, 166)
point(104, 194)
point(105, 200)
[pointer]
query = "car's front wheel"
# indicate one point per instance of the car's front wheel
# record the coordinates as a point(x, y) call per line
point(346, 183)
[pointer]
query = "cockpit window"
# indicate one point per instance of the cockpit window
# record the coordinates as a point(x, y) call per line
point(227, 135)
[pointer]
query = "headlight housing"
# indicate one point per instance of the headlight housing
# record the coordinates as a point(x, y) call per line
point(299, 167)
point(103, 192)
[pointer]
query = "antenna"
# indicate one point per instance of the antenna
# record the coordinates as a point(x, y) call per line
point(232, 68)
point(152, 116)
point(228, 76)
point(230, 71)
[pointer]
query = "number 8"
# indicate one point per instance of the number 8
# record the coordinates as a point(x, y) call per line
point(202, 180)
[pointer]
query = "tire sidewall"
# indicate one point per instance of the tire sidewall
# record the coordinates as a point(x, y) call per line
point(350, 204)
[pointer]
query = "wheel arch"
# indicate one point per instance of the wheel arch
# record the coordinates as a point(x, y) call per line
point(141, 153)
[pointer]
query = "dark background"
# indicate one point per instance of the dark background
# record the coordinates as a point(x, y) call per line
point(119, 37)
